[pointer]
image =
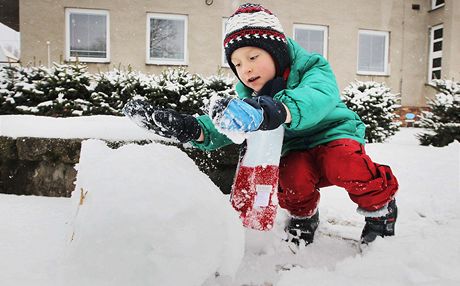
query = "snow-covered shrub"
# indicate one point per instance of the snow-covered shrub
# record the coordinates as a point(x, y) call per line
point(218, 84)
point(443, 118)
point(111, 90)
point(7, 80)
point(376, 106)
point(18, 92)
point(58, 91)
point(69, 90)
point(66, 89)
point(179, 90)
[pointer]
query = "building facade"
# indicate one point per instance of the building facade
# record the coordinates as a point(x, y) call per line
point(400, 42)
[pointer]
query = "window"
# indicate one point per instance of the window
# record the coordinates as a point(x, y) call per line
point(373, 52)
point(312, 38)
point(435, 4)
point(166, 39)
point(87, 35)
point(224, 59)
point(435, 60)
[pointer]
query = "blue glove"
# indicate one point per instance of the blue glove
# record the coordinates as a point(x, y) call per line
point(250, 114)
point(236, 115)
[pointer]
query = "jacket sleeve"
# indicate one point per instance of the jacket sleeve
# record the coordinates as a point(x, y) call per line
point(213, 139)
point(314, 97)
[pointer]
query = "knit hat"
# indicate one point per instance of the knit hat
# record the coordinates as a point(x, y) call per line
point(253, 25)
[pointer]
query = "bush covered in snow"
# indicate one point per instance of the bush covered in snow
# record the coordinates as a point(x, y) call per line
point(62, 90)
point(69, 90)
point(111, 90)
point(185, 92)
point(376, 106)
point(443, 118)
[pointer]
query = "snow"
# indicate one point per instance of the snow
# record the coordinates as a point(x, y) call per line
point(9, 43)
point(150, 217)
point(154, 223)
point(99, 126)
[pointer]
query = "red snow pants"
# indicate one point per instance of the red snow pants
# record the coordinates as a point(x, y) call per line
point(343, 163)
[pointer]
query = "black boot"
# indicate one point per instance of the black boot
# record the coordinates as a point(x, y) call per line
point(302, 230)
point(380, 226)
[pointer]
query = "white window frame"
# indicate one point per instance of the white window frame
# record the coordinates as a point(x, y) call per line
point(324, 29)
point(163, 61)
point(386, 70)
point(434, 6)
point(69, 11)
point(223, 58)
point(433, 55)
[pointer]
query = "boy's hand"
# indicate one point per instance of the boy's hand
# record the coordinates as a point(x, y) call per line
point(233, 114)
point(184, 127)
point(167, 123)
point(259, 113)
point(274, 111)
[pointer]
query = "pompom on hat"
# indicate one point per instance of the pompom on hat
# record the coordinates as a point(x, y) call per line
point(254, 25)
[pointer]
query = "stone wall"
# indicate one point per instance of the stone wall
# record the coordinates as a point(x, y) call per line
point(45, 166)
point(38, 166)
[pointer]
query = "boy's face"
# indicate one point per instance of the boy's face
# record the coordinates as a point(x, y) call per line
point(255, 66)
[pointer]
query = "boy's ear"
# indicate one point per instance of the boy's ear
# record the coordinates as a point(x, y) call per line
point(273, 86)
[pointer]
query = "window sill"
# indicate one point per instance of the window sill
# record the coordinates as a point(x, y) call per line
point(429, 84)
point(166, 64)
point(372, 74)
point(87, 61)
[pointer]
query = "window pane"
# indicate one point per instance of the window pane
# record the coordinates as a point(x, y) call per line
point(310, 40)
point(88, 35)
point(371, 53)
point(437, 46)
point(437, 63)
point(436, 74)
point(437, 34)
point(437, 3)
point(167, 39)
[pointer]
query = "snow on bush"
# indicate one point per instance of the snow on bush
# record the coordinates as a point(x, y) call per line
point(69, 90)
point(376, 106)
point(145, 215)
point(179, 90)
point(112, 89)
point(443, 118)
point(61, 90)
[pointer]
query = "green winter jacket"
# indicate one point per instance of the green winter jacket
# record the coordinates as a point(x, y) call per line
point(312, 97)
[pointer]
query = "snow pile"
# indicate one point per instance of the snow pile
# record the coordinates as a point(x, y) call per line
point(145, 215)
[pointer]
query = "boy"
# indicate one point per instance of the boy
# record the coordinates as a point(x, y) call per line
point(282, 84)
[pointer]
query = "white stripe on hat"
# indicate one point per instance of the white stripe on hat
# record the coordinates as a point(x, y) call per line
point(258, 19)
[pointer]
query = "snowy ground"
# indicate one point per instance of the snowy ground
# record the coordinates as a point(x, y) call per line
point(150, 217)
